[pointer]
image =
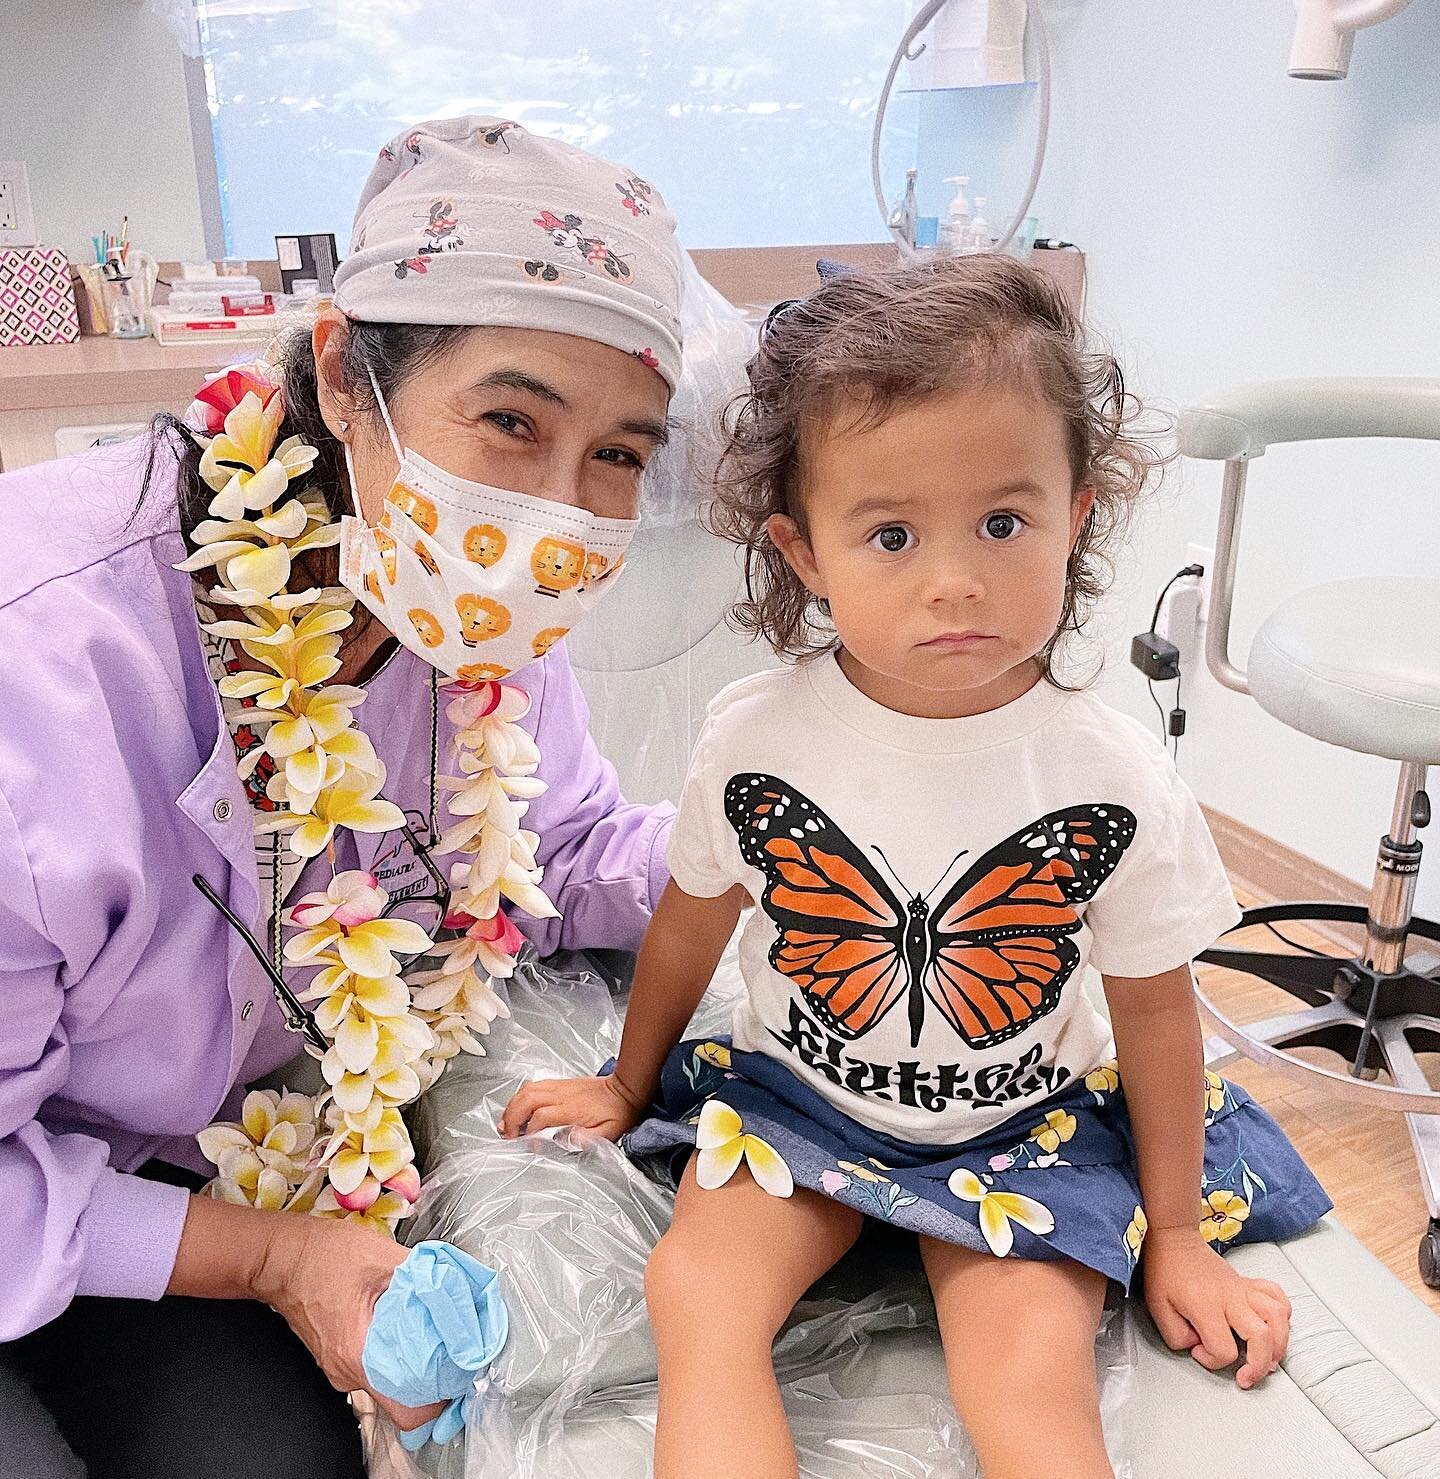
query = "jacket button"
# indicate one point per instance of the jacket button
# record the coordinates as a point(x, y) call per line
point(246, 1010)
point(223, 809)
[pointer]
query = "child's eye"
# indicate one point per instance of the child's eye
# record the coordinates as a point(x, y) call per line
point(892, 538)
point(1002, 526)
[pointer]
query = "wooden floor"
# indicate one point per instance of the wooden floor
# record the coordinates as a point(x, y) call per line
point(1362, 1156)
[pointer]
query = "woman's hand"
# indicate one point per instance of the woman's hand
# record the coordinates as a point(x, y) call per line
point(1200, 1304)
point(324, 1278)
point(599, 1104)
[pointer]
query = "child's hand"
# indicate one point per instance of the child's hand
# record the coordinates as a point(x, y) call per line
point(598, 1104)
point(1200, 1304)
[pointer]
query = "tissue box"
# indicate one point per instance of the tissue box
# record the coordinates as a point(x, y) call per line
point(37, 305)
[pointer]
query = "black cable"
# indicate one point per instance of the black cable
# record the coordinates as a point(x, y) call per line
point(1155, 699)
point(1178, 575)
point(1295, 944)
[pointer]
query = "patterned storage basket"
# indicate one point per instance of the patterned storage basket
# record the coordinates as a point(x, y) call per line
point(37, 305)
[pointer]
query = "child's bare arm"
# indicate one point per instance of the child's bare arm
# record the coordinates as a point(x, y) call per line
point(1199, 1302)
point(682, 947)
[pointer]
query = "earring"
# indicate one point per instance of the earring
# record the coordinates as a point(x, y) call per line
point(343, 425)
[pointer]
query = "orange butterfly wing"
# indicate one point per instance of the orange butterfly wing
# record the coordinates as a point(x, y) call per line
point(840, 929)
point(1000, 947)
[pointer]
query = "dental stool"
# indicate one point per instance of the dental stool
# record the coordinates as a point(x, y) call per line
point(1354, 663)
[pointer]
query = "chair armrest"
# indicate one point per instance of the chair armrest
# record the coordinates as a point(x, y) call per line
point(1243, 421)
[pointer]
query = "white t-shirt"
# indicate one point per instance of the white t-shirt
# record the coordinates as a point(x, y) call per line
point(1029, 840)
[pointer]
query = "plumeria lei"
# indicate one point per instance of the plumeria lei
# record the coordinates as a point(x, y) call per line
point(391, 1030)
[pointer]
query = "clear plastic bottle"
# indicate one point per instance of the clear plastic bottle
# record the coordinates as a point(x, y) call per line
point(955, 228)
point(982, 236)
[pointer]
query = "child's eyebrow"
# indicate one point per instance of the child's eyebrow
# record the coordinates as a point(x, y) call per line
point(888, 503)
point(878, 503)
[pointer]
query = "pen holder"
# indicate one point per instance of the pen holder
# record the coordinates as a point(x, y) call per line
point(128, 289)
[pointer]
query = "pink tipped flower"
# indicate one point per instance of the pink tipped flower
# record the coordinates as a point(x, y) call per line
point(482, 695)
point(458, 919)
point(498, 933)
point(352, 899)
point(406, 1184)
point(218, 397)
point(1001, 1162)
point(362, 1198)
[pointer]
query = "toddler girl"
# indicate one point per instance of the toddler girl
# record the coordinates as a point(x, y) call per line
point(938, 834)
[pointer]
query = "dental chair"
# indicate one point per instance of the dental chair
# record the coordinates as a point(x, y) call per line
point(1359, 1393)
point(1354, 663)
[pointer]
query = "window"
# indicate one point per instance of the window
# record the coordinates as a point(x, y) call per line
point(753, 116)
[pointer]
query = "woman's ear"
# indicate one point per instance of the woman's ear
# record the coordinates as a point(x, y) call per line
point(787, 536)
point(328, 340)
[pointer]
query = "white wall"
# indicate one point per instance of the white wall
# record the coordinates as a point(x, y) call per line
point(1241, 225)
point(92, 98)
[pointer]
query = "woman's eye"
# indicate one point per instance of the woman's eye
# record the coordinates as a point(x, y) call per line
point(621, 457)
point(892, 538)
point(507, 421)
point(1002, 526)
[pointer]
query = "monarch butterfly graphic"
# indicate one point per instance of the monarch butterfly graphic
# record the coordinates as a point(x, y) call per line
point(992, 957)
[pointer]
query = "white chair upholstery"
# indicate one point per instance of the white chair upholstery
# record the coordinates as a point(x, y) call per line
point(1356, 663)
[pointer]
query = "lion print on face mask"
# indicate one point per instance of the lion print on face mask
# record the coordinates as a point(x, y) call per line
point(558, 564)
point(484, 544)
point(417, 508)
point(480, 618)
point(427, 626)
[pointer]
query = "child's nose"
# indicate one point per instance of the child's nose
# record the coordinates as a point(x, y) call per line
point(952, 581)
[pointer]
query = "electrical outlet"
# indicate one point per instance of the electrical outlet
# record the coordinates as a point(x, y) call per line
point(1198, 554)
point(17, 222)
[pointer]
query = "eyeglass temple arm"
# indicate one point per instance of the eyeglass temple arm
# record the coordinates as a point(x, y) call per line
point(297, 1018)
point(423, 853)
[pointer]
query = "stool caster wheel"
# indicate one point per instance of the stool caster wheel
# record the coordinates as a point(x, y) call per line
point(1430, 1255)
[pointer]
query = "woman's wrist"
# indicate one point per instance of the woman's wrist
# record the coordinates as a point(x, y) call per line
point(230, 1252)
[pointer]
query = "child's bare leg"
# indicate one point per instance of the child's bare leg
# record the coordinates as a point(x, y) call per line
point(1015, 1330)
point(719, 1285)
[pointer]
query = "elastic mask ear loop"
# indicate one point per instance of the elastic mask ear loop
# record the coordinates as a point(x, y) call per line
point(394, 442)
point(385, 414)
point(350, 476)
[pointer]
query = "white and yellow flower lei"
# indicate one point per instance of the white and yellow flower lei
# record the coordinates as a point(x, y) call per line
point(347, 1151)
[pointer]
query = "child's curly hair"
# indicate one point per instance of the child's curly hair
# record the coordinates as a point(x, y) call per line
point(896, 337)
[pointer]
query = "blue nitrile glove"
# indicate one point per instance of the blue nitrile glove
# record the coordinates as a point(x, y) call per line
point(440, 1322)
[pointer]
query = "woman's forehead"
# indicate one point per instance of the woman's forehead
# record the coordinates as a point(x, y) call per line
point(570, 373)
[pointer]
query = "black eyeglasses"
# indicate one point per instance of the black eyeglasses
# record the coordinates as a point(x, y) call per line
point(423, 899)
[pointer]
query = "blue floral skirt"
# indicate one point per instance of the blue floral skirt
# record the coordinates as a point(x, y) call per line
point(1057, 1181)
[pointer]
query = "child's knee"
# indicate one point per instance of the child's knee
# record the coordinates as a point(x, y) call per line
point(685, 1287)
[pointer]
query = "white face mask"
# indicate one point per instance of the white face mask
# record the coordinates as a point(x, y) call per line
point(477, 581)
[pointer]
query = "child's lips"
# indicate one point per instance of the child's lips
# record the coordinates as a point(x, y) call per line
point(957, 641)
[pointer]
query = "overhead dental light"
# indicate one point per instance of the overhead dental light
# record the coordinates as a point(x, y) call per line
point(1325, 33)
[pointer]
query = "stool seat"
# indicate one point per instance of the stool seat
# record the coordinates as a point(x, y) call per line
point(1356, 663)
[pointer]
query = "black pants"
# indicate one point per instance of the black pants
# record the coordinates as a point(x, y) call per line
point(177, 1387)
